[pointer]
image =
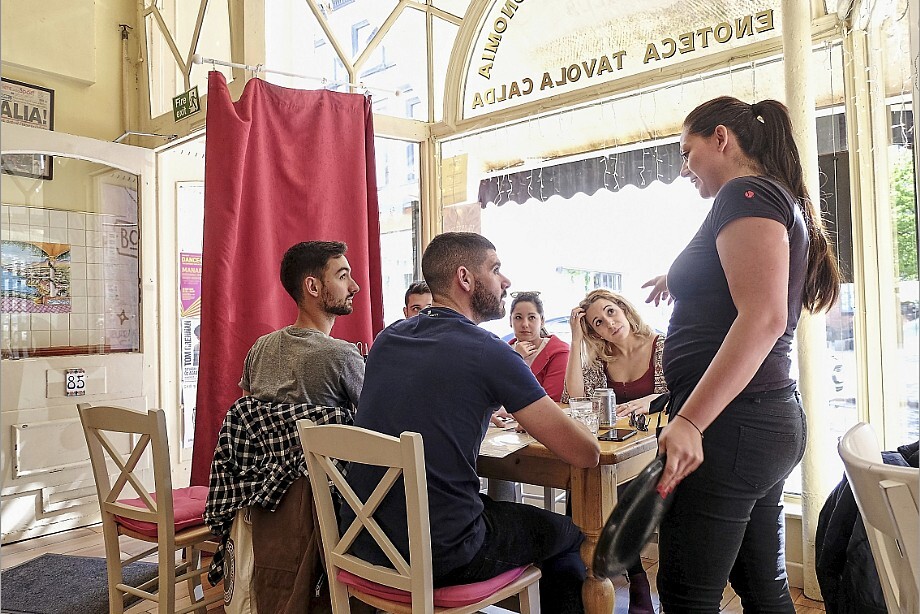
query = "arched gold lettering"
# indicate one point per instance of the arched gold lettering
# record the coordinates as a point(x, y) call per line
point(744, 26)
point(605, 66)
point(704, 36)
point(509, 8)
point(723, 32)
point(764, 20)
point(670, 46)
point(574, 72)
point(492, 45)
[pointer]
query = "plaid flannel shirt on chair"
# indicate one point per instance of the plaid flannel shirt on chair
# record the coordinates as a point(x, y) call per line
point(257, 457)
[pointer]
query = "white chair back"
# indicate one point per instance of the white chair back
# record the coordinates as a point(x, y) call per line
point(147, 431)
point(887, 497)
point(403, 457)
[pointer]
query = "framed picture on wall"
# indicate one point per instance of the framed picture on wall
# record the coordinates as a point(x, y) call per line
point(36, 166)
point(28, 105)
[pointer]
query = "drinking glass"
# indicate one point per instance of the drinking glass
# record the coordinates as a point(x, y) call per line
point(582, 410)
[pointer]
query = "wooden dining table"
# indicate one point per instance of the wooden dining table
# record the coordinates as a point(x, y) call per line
point(593, 492)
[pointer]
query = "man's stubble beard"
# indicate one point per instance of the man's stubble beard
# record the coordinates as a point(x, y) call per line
point(337, 309)
point(485, 305)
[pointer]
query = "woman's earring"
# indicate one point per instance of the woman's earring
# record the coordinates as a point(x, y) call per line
point(635, 327)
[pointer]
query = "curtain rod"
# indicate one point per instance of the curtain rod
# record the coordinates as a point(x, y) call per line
point(199, 59)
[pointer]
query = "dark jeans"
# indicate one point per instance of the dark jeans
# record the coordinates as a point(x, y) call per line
point(518, 534)
point(726, 520)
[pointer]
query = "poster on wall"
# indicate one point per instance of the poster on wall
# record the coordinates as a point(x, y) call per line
point(121, 242)
point(34, 166)
point(190, 284)
point(189, 333)
point(35, 277)
point(190, 349)
point(29, 105)
point(190, 208)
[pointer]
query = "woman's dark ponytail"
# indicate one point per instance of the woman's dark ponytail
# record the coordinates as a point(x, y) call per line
point(764, 133)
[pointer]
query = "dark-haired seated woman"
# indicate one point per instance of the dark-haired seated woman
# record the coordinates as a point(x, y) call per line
point(546, 354)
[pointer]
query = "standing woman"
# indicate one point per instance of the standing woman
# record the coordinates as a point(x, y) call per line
point(760, 256)
point(545, 354)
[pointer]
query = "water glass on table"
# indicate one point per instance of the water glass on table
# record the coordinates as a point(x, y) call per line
point(582, 409)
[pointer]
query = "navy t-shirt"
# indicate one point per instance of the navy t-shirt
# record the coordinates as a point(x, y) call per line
point(703, 306)
point(440, 375)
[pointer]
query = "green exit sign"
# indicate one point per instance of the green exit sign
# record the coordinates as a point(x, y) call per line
point(186, 104)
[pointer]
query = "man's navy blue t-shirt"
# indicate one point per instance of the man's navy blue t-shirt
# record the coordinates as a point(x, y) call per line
point(440, 375)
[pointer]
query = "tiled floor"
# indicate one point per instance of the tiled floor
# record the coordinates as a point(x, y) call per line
point(88, 542)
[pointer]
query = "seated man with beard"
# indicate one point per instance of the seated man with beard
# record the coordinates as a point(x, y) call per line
point(301, 363)
point(441, 375)
point(260, 499)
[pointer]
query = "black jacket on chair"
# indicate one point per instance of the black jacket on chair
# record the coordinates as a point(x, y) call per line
point(846, 571)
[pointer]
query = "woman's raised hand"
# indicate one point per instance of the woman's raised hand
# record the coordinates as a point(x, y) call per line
point(659, 286)
point(578, 315)
point(525, 348)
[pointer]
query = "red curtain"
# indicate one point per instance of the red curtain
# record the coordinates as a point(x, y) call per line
point(281, 166)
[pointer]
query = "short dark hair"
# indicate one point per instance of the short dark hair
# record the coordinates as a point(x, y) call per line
point(417, 287)
point(449, 251)
point(307, 259)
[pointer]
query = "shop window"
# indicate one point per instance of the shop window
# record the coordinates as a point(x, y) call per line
point(398, 201)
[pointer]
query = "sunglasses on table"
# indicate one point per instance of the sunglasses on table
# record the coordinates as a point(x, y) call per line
point(638, 421)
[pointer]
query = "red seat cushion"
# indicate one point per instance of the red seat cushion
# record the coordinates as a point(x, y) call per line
point(444, 597)
point(188, 510)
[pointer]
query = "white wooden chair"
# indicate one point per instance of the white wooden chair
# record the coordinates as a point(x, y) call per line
point(406, 588)
point(887, 497)
point(171, 519)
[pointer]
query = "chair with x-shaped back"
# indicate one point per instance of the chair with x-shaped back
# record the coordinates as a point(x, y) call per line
point(171, 519)
point(406, 588)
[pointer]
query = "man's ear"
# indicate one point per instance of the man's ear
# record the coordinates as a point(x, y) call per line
point(311, 285)
point(465, 278)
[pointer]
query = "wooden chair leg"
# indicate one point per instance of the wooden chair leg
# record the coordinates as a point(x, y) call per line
point(549, 498)
point(192, 556)
point(530, 599)
point(166, 560)
point(113, 568)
